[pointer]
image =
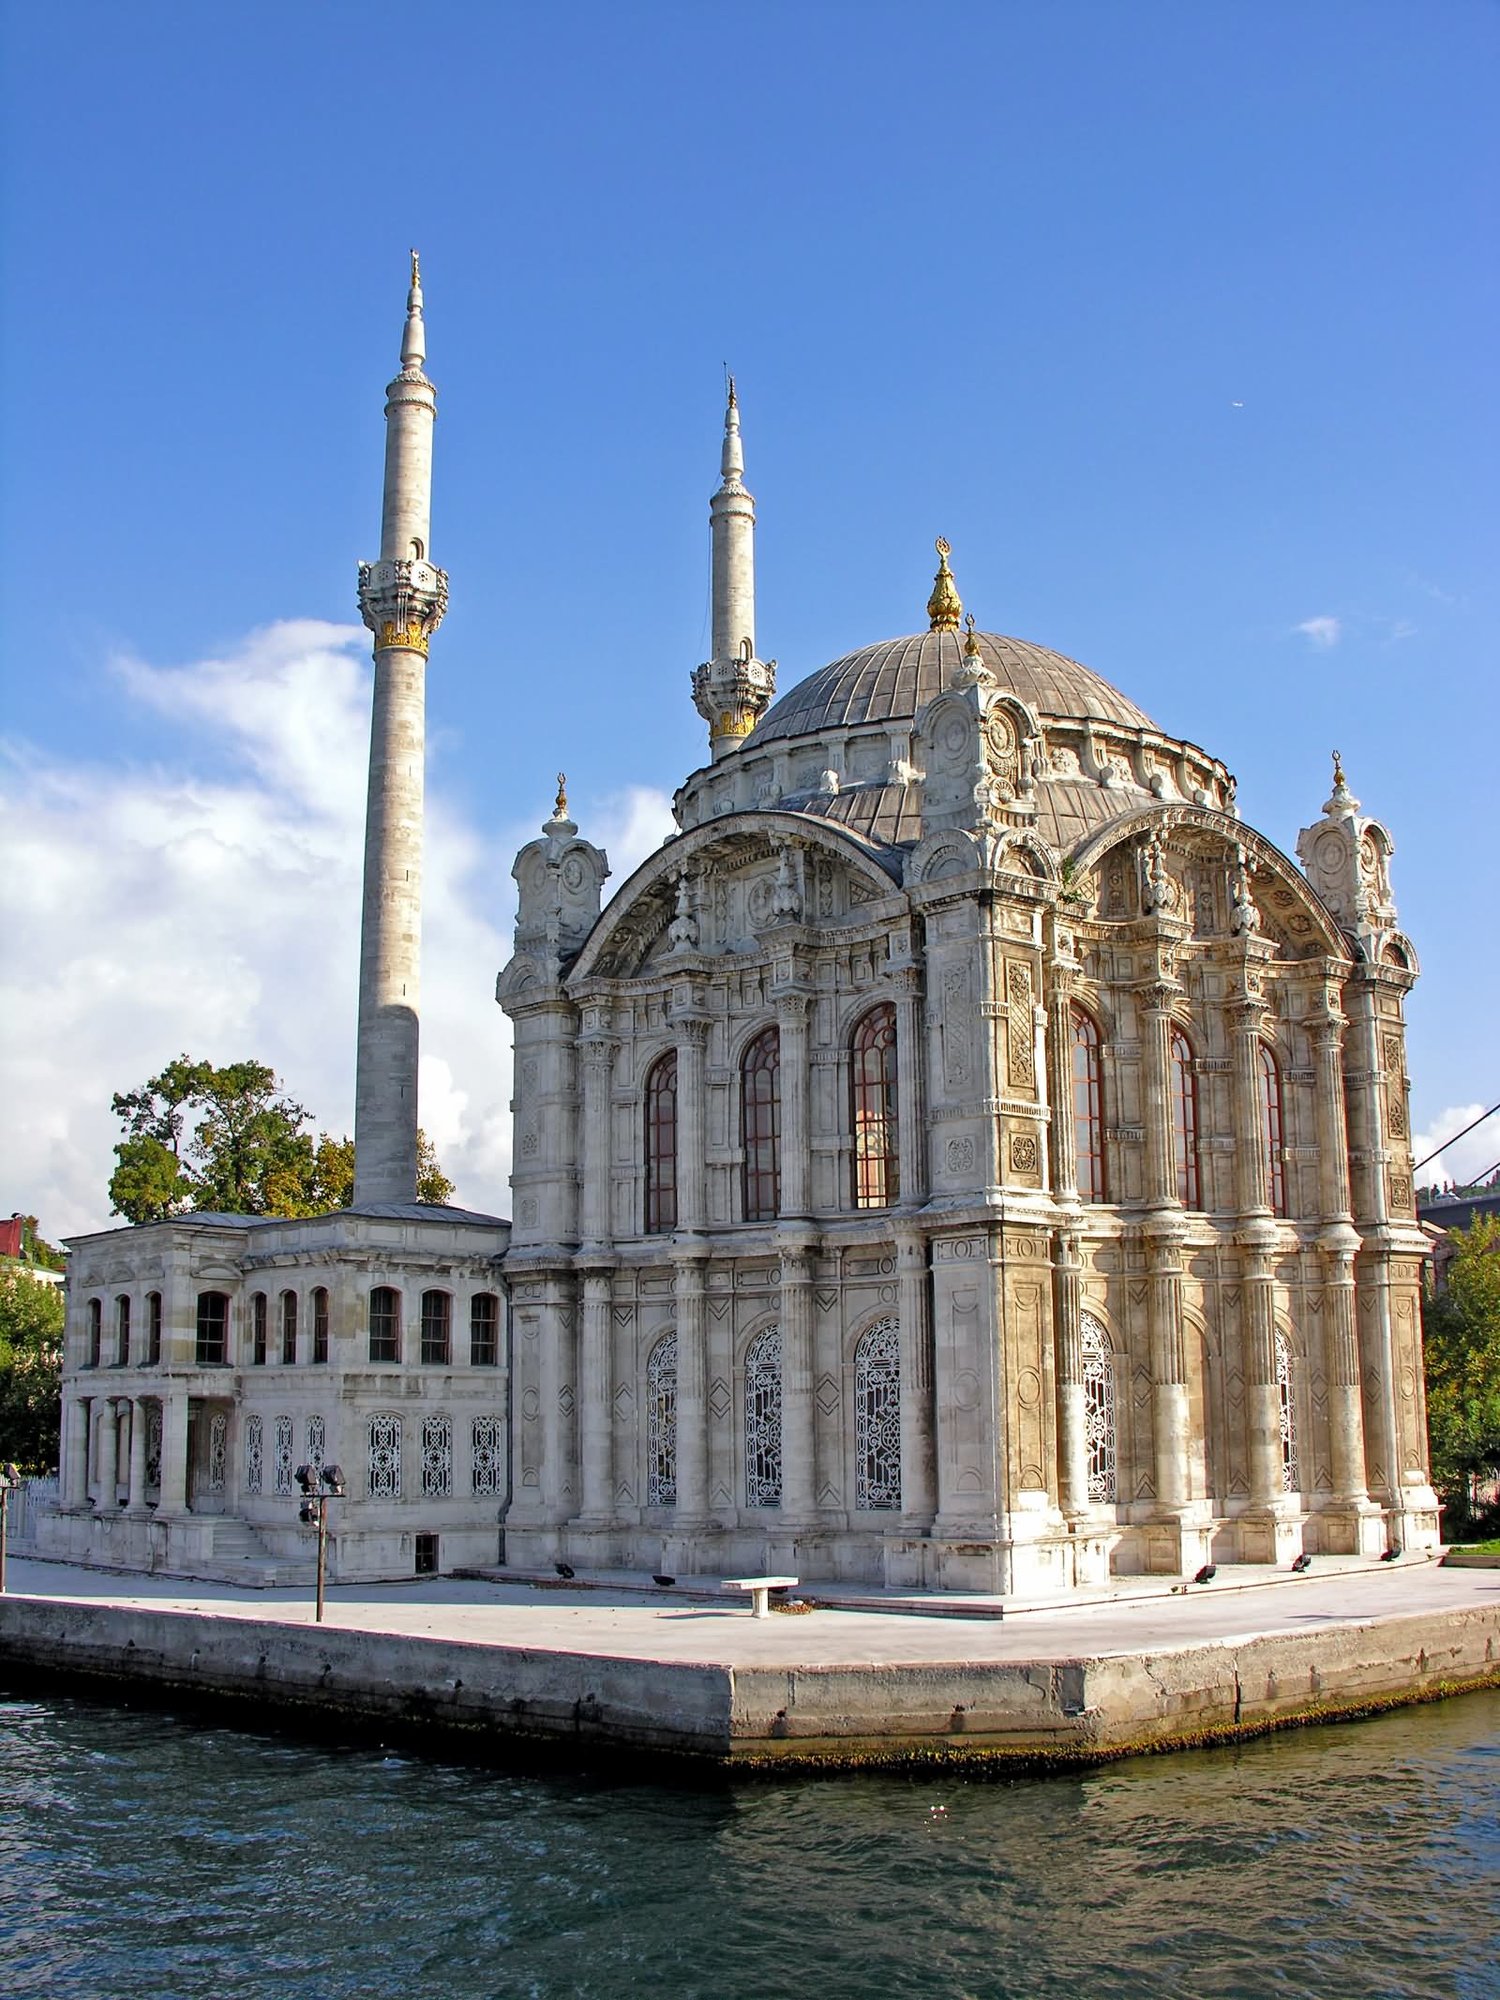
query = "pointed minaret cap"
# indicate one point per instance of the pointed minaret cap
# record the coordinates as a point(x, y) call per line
point(414, 345)
point(944, 607)
point(732, 458)
point(1343, 800)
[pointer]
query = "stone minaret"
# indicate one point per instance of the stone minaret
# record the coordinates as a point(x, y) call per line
point(402, 599)
point(731, 690)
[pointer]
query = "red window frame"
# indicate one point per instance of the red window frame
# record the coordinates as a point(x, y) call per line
point(1185, 1121)
point(661, 1145)
point(1088, 1119)
point(760, 1103)
point(1272, 1124)
point(872, 1077)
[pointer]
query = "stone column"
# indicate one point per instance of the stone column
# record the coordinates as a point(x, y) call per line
point(597, 1054)
point(791, 1010)
point(911, 1124)
point(1164, 1235)
point(597, 1390)
point(692, 1037)
point(799, 1482)
point(1367, 1118)
point(136, 1504)
point(918, 1435)
point(1060, 1079)
point(1156, 1093)
point(692, 1393)
point(107, 1499)
point(174, 1450)
point(1338, 1245)
point(75, 1467)
point(558, 1383)
point(1072, 1408)
point(1256, 1235)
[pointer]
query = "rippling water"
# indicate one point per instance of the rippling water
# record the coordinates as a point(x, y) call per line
point(143, 1855)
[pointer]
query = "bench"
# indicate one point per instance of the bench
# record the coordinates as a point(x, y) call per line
point(760, 1588)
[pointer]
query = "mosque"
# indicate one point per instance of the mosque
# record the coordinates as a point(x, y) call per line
point(966, 1156)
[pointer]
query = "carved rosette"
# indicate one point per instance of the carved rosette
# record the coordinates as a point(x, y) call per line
point(402, 602)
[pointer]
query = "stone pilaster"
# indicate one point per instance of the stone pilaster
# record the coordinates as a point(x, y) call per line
point(911, 1121)
point(107, 1500)
point(692, 1394)
point(791, 1012)
point(596, 1053)
point(558, 1373)
point(75, 1464)
point(596, 1389)
point(691, 1035)
point(1072, 1413)
point(799, 1472)
point(174, 1450)
point(136, 1503)
point(918, 1434)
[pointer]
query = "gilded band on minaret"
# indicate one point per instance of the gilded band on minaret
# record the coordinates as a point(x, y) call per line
point(733, 688)
point(402, 598)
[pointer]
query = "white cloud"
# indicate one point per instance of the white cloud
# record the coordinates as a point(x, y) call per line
point(148, 910)
point(1321, 632)
point(1469, 1157)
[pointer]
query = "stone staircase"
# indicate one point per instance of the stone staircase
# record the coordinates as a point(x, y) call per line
point(239, 1556)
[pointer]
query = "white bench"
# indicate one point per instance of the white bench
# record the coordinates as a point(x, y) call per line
point(760, 1588)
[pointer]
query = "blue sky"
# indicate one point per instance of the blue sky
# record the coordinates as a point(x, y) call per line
point(1178, 321)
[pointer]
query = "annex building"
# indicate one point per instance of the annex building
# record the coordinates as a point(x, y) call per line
point(965, 1156)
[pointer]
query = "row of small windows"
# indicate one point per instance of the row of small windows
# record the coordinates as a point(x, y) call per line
point(1088, 1120)
point(877, 1419)
point(435, 1341)
point(876, 1178)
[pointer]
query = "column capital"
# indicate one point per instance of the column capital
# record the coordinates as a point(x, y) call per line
point(1158, 995)
point(402, 602)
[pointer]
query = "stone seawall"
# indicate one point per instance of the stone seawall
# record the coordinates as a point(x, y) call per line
point(484, 1699)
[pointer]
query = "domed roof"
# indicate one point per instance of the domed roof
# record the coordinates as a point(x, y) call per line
point(891, 681)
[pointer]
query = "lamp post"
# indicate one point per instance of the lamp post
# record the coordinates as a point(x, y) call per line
point(10, 1479)
point(319, 1486)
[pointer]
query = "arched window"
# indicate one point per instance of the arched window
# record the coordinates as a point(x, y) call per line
point(96, 1331)
point(763, 1420)
point(1290, 1481)
point(1098, 1409)
point(122, 1331)
point(320, 1322)
point(484, 1331)
point(661, 1423)
point(289, 1329)
point(877, 1416)
point(877, 1163)
point(1088, 1124)
point(760, 1093)
point(661, 1145)
point(153, 1328)
point(1270, 1118)
point(213, 1329)
point(1185, 1121)
point(258, 1329)
point(437, 1322)
point(385, 1324)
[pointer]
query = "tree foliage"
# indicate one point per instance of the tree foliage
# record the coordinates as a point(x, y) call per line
point(230, 1139)
point(31, 1341)
point(1461, 1336)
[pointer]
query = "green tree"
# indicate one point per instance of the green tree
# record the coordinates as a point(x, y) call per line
point(200, 1137)
point(31, 1336)
point(1461, 1337)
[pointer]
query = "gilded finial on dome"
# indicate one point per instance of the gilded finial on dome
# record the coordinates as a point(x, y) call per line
point(1338, 771)
point(944, 608)
point(560, 808)
point(971, 642)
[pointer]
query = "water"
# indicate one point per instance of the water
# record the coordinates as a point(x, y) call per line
point(146, 1855)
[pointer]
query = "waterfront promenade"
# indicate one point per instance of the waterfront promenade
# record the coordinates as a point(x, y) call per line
point(1135, 1666)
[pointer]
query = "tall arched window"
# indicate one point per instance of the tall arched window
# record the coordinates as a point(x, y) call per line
point(385, 1324)
point(1185, 1121)
point(877, 1416)
point(257, 1329)
point(122, 1331)
point(1290, 1480)
point(763, 1420)
point(877, 1161)
point(1098, 1409)
point(96, 1331)
point(153, 1328)
point(1088, 1123)
point(1270, 1118)
point(437, 1329)
point(661, 1423)
point(289, 1329)
point(661, 1145)
point(760, 1096)
point(320, 1323)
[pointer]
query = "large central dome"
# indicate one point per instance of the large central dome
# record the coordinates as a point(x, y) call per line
point(893, 680)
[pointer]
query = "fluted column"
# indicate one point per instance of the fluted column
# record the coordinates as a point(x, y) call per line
point(798, 1448)
point(791, 1011)
point(136, 1502)
point(692, 1037)
point(106, 1500)
point(1252, 1160)
point(1072, 1407)
point(692, 1394)
point(597, 1397)
point(1156, 1093)
point(918, 1425)
point(75, 1468)
point(1164, 1232)
point(174, 1451)
point(1064, 1137)
point(597, 1055)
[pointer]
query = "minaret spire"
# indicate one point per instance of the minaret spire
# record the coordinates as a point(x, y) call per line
point(731, 690)
point(402, 598)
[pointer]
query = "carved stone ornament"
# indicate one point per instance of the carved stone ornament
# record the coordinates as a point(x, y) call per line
point(402, 602)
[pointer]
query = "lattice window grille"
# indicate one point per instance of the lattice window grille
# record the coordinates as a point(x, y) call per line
point(218, 1450)
point(283, 1454)
point(255, 1454)
point(437, 1457)
point(153, 1447)
point(317, 1442)
point(763, 1420)
point(877, 1417)
point(661, 1423)
point(1290, 1482)
point(385, 1458)
point(488, 1458)
point(1098, 1410)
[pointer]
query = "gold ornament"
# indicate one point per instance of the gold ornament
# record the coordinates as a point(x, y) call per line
point(944, 608)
